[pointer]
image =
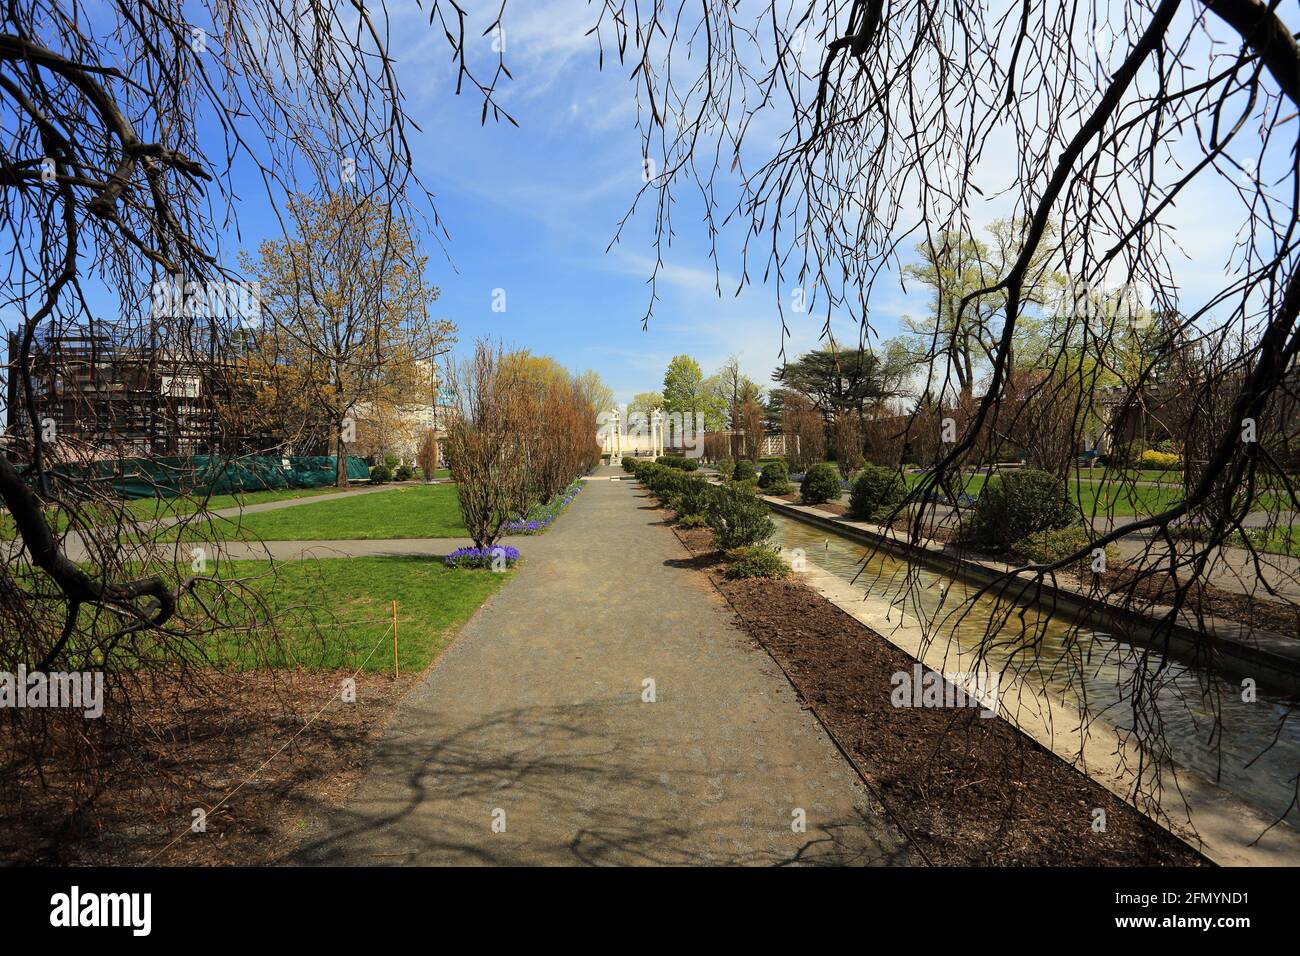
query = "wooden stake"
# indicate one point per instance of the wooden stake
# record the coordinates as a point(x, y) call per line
point(396, 672)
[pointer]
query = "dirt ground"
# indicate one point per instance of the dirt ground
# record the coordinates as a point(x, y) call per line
point(972, 791)
point(287, 737)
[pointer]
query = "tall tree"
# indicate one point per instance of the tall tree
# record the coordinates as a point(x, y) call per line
point(594, 390)
point(684, 386)
point(122, 127)
point(345, 320)
point(959, 337)
point(840, 380)
point(643, 405)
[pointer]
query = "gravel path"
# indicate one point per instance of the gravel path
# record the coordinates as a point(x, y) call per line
point(535, 718)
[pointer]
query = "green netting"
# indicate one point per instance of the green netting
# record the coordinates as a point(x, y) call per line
point(218, 475)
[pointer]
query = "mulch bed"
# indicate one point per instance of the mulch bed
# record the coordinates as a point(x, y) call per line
point(190, 749)
point(972, 791)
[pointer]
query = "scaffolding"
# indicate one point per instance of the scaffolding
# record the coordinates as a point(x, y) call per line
point(110, 392)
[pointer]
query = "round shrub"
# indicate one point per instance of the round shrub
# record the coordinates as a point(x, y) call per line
point(403, 473)
point(744, 470)
point(774, 472)
point(380, 475)
point(1020, 503)
point(738, 519)
point(820, 483)
point(876, 492)
point(756, 562)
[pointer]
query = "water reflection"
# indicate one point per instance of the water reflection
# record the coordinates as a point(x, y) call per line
point(1077, 664)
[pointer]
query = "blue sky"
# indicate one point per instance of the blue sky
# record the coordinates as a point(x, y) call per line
point(532, 209)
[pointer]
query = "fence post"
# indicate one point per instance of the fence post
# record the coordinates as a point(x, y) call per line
point(396, 671)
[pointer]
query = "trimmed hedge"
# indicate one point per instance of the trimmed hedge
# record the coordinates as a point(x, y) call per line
point(738, 519)
point(820, 483)
point(380, 475)
point(1018, 504)
point(876, 492)
point(678, 461)
point(744, 470)
point(736, 516)
point(774, 473)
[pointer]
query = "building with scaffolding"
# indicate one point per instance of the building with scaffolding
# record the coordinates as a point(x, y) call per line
point(110, 390)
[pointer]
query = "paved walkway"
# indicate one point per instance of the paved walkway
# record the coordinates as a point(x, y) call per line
point(238, 510)
point(536, 713)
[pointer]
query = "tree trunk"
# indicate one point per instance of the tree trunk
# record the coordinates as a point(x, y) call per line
point(340, 458)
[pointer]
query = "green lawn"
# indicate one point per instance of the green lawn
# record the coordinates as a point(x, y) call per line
point(1280, 539)
point(154, 509)
point(1115, 499)
point(336, 613)
point(406, 511)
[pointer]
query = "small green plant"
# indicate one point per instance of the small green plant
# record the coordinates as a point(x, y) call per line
point(693, 521)
point(876, 492)
point(744, 470)
point(738, 519)
point(380, 474)
point(820, 483)
point(1048, 547)
point(1020, 503)
point(756, 562)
